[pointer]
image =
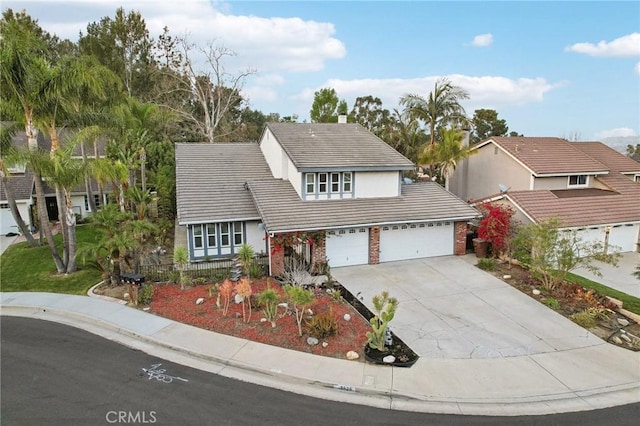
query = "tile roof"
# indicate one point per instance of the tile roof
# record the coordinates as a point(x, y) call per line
point(549, 155)
point(282, 209)
point(336, 145)
point(621, 204)
point(22, 185)
point(210, 181)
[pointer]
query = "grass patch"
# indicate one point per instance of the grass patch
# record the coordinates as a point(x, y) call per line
point(32, 269)
point(630, 303)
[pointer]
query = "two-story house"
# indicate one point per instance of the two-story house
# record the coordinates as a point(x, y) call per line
point(337, 180)
point(588, 186)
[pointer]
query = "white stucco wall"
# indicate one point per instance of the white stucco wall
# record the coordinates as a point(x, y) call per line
point(273, 153)
point(491, 167)
point(295, 177)
point(376, 184)
point(559, 182)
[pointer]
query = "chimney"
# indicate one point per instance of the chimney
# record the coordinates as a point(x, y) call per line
point(342, 118)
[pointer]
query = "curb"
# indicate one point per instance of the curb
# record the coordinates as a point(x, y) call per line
point(569, 401)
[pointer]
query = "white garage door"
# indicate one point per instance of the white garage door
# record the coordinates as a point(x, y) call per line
point(413, 241)
point(624, 237)
point(7, 224)
point(347, 247)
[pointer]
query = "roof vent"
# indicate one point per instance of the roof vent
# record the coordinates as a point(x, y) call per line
point(342, 118)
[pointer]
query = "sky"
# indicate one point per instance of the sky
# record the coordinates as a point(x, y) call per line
point(560, 69)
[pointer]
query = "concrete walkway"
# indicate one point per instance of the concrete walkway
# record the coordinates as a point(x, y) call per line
point(450, 309)
point(573, 379)
point(618, 277)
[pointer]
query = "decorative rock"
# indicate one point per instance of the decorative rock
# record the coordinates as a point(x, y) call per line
point(126, 296)
point(617, 340)
point(309, 312)
point(147, 309)
point(389, 359)
point(200, 301)
point(238, 299)
point(623, 322)
point(238, 315)
point(263, 320)
point(312, 341)
point(352, 355)
point(283, 305)
point(626, 338)
point(325, 344)
point(536, 292)
point(347, 317)
point(506, 277)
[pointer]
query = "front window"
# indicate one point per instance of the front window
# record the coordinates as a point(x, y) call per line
point(346, 182)
point(311, 183)
point(211, 235)
point(224, 234)
point(197, 237)
point(237, 233)
point(578, 180)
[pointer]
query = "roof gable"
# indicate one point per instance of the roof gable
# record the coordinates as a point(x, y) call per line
point(336, 145)
point(548, 156)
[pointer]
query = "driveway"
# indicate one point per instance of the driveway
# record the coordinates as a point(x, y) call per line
point(6, 242)
point(451, 309)
point(618, 277)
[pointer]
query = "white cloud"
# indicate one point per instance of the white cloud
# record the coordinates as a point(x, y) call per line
point(259, 93)
point(637, 68)
point(614, 133)
point(485, 91)
point(628, 45)
point(483, 40)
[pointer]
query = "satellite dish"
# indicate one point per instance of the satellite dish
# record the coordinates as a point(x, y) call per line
point(503, 188)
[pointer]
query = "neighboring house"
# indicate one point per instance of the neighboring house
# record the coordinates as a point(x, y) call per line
point(22, 182)
point(338, 182)
point(588, 186)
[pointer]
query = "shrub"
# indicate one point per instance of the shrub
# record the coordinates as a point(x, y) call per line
point(243, 288)
point(174, 276)
point(226, 291)
point(487, 264)
point(256, 270)
point(587, 317)
point(496, 226)
point(300, 298)
point(246, 255)
point(552, 303)
point(385, 308)
point(145, 294)
point(323, 325)
point(269, 301)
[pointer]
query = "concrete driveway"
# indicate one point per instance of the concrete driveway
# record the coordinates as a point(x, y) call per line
point(618, 277)
point(451, 309)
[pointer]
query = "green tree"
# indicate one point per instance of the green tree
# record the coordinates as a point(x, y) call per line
point(485, 123)
point(326, 106)
point(445, 156)
point(440, 108)
point(123, 45)
point(404, 134)
point(300, 298)
point(181, 259)
point(368, 111)
point(551, 253)
point(633, 152)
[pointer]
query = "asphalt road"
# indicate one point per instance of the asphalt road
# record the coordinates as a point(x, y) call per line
point(52, 374)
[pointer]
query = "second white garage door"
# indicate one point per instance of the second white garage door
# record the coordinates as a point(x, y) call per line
point(347, 247)
point(413, 241)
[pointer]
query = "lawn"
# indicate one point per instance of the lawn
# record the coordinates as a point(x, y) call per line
point(32, 269)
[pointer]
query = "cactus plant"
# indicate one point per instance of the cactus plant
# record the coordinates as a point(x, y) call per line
point(385, 308)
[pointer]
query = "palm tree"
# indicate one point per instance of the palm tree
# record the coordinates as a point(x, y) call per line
point(181, 259)
point(441, 108)
point(403, 133)
point(447, 154)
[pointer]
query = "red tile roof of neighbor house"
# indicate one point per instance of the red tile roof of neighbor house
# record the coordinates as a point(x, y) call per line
point(619, 202)
point(549, 155)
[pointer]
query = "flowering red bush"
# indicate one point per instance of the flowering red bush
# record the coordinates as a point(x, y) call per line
point(180, 305)
point(496, 225)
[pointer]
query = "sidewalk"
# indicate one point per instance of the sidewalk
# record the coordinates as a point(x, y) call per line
point(564, 381)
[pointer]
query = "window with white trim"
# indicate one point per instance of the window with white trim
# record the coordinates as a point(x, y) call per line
point(211, 235)
point(346, 182)
point(335, 182)
point(96, 198)
point(197, 237)
point(578, 180)
point(224, 234)
point(322, 183)
point(237, 233)
point(310, 180)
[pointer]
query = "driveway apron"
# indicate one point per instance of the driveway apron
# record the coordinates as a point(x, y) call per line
point(451, 309)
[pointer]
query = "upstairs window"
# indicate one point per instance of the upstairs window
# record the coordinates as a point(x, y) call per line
point(322, 183)
point(197, 237)
point(237, 233)
point(211, 235)
point(335, 182)
point(578, 180)
point(310, 179)
point(346, 182)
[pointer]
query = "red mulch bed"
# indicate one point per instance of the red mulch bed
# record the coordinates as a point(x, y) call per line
point(180, 305)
